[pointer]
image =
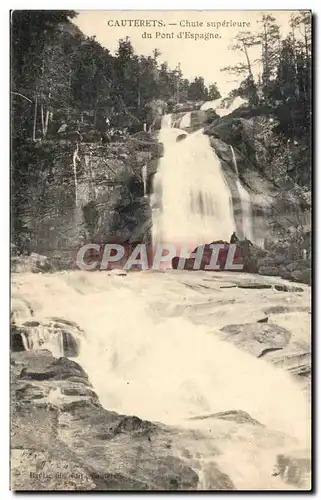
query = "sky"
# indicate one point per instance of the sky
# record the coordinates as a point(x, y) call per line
point(196, 57)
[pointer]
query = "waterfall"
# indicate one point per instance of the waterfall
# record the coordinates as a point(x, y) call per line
point(144, 177)
point(245, 201)
point(42, 338)
point(186, 120)
point(53, 335)
point(142, 360)
point(191, 200)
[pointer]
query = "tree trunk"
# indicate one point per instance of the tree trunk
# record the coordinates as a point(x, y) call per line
point(248, 61)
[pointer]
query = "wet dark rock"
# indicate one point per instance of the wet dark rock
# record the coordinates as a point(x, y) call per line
point(135, 425)
point(287, 288)
point(302, 276)
point(31, 323)
point(269, 271)
point(72, 389)
point(181, 137)
point(16, 344)
point(255, 285)
point(30, 392)
point(215, 480)
point(60, 369)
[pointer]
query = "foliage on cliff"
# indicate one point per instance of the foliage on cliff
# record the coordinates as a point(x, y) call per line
point(61, 76)
point(282, 90)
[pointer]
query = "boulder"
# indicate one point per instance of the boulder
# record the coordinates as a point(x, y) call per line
point(299, 271)
point(302, 276)
point(299, 265)
point(181, 137)
point(67, 440)
point(59, 369)
point(269, 271)
point(256, 338)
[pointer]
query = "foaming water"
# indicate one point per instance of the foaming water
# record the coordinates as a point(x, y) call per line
point(194, 201)
point(223, 106)
point(169, 370)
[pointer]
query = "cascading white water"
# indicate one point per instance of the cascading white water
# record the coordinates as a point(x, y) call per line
point(186, 120)
point(42, 338)
point(168, 369)
point(51, 335)
point(247, 221)
point(192, 202)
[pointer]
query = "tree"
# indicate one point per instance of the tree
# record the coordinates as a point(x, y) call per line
point(243, 42)
point(270, 41)
point(197, 90)
point(29, 48)
point(213, 92)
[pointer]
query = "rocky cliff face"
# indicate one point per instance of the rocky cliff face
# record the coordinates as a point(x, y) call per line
point(66, 194)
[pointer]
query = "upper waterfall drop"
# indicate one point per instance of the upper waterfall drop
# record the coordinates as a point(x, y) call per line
point(191, 201)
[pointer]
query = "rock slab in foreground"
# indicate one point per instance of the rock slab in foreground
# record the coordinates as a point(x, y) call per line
point(63, 439)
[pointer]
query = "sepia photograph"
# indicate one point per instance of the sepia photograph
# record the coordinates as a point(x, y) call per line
point(160, 250)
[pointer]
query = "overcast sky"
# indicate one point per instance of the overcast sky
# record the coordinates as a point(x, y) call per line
point(197, 58)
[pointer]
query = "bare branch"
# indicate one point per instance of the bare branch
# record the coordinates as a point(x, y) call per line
point(21, 95)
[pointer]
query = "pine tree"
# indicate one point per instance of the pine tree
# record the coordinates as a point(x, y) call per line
point(213, 92)
point(243, 42)
point(270, 41)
